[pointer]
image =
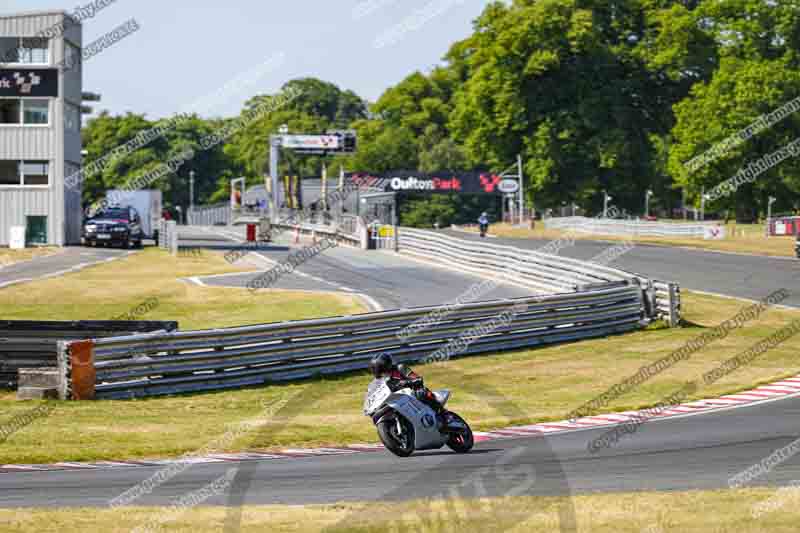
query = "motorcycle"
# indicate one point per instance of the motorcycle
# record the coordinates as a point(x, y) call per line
point(484, 229)
point(405, 424)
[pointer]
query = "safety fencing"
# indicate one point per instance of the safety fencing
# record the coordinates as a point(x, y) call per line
point(351, 234)
point(30, 344)
point(544, 273)
point(210, 215)
point(179, 362)
point(638, 228)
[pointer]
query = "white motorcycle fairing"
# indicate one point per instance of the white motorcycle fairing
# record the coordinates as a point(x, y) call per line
point(422, 417)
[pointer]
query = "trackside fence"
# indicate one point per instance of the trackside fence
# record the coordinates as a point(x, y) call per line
point(639, 228)
point(544, 273)
point(210, 215)
point(179, 362)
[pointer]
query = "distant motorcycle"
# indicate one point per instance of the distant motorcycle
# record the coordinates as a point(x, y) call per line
point(405, 424)
point(484, 229)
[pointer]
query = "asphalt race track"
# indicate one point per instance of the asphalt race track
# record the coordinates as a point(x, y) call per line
point(71, 259)
point(391, 280)
point(693, 452)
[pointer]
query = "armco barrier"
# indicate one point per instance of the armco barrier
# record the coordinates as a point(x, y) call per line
point(543, 272)
point(29, 344)
point(179, 362)
point(641, 228)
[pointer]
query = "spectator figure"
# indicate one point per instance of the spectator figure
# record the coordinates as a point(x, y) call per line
point(483, 223)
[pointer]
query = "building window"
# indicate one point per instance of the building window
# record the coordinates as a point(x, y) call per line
point(24, 173)
point(25, 50)
point(10, 111)
point(9, 173)
point(28, 111)
point(72, 117)
point(35, 173)
point(36, 111)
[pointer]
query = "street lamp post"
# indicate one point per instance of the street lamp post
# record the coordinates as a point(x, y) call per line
point(647, 196)
point(703, 199)
point(191, 191)
point(771, 201)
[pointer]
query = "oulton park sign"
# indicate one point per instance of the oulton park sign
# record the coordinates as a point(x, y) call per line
point(444, 182)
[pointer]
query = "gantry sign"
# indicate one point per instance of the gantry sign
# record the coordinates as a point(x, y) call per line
point(335, 142)
point(449, 182)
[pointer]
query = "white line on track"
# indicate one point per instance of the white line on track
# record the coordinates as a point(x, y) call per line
point(371, 303)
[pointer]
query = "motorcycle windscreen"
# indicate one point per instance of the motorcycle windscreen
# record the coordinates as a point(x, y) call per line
point(377, 392)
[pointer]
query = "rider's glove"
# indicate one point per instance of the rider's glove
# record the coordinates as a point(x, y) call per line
point(415, 383)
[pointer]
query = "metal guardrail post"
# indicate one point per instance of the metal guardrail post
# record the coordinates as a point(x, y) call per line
point(173, 237)
point(162, 234)
point(674, 305)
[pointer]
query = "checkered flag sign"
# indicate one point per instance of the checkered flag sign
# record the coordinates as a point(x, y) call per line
point(26, 85)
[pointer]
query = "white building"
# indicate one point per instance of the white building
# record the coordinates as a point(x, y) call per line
point(40, 126)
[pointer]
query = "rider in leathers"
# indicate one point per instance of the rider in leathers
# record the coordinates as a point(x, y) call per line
point(401, 377)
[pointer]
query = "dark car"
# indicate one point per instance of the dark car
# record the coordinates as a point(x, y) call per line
point(116, 226)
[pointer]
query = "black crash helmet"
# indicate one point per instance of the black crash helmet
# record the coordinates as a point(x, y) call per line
point(381, 364)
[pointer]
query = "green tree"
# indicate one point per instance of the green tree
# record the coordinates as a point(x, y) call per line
point(757, 73)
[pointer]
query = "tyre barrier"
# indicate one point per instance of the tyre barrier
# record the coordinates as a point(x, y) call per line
point(34, 344)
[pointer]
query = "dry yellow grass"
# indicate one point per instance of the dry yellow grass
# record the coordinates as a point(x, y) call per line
point(721, 511)
point(741, 238)
point(9, 257)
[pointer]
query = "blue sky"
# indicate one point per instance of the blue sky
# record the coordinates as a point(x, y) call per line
point(190, 49)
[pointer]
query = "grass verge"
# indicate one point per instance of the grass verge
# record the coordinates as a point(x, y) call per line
point(741, 238)
point(721, 511)
point(544, 384)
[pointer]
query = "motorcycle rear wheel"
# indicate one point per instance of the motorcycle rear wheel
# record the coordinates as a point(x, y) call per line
point(401, 446)
point(463, 441)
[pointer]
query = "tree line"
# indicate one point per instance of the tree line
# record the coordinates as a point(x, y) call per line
point(596, 95)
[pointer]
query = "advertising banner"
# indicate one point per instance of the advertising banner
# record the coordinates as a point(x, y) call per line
point(443, 182)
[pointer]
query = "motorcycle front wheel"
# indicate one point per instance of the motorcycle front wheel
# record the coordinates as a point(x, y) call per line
point(463, 441)
point(402, 445)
